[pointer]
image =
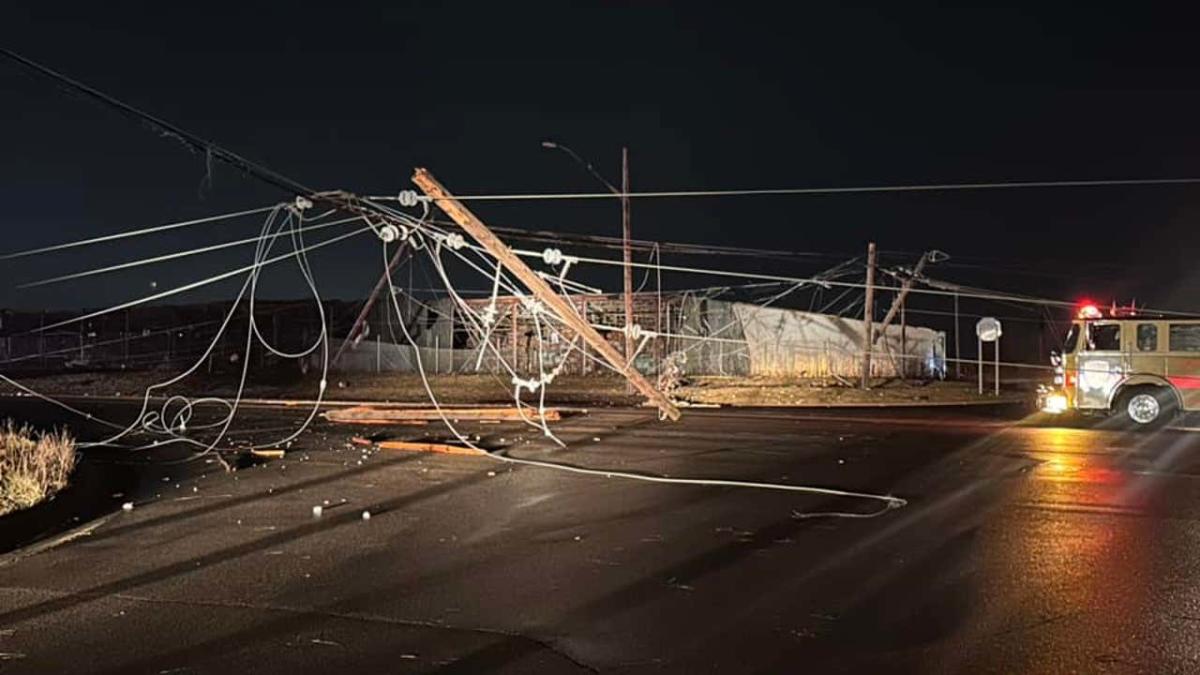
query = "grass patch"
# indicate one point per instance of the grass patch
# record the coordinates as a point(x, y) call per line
point(33, 465)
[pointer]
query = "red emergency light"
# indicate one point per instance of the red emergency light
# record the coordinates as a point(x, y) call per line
point(1089, 310)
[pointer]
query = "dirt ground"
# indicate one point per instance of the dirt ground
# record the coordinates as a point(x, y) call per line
point(493, 389)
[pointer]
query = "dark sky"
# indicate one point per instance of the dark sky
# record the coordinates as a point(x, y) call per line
point(353, 97)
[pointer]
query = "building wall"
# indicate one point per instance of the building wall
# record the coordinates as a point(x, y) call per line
point(715, 337)
point(786, 342)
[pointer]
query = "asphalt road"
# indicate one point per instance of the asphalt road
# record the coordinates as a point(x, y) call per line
point(1022, 549)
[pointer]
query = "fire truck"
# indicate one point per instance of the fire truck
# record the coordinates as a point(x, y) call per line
point(1143, 369)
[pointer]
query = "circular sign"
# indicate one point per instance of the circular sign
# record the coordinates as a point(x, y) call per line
point(988, 329)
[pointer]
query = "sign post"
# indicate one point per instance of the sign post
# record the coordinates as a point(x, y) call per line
point(988, 329)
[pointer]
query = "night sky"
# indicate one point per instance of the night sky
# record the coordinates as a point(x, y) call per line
point(350, 97)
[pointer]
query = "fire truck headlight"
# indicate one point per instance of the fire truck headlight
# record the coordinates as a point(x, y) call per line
point(1055, 404)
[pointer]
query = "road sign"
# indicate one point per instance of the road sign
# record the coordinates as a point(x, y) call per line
point(988, 329)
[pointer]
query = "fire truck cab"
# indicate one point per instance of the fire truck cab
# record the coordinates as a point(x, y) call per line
point(1143, 369)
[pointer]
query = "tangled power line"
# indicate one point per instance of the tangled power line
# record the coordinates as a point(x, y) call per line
point(168, 417)
point(173, 417)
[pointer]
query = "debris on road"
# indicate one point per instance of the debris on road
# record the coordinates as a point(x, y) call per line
point(371, 415)
point(418, 446)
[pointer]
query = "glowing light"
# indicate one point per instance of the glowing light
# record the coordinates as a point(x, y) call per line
point(1055, 404)
point(1089, 311)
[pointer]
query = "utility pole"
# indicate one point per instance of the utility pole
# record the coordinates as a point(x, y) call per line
point(627, 253)
point(868, 318)
point(365, 312)
point(627, 256)
point(538, 286)
point(902, 295)
point(957, 357)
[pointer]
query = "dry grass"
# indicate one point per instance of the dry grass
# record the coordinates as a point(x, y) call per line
point(783, 392)
point(33, 465)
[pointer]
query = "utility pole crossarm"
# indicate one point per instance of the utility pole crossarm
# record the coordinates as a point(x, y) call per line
point(556, 303)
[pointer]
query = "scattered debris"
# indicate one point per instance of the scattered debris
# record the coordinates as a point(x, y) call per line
point(416, 446)
point(370, 415)
point(268, 453)
point(328, 643)
point(127, 506)
point(316, 511)
point(366, 515)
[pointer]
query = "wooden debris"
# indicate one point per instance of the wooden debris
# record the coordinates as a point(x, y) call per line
point(418, 446)
point(370, 415)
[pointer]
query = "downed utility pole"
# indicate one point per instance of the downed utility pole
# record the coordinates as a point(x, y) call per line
point(868, 318)
point(361, 319)
point(905, 287)
point(898, 305)
point(563, 309)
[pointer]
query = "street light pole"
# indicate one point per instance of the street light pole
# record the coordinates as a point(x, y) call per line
point(627, 256)
point(626, 234)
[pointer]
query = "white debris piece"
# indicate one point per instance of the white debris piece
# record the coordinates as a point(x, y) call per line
point(127, 506)
point(317, 511)
point(366, 515)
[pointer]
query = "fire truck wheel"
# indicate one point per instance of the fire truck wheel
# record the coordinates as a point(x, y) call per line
point(1146, 407)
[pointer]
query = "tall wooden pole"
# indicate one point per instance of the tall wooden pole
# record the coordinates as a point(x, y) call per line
point(957, 358)
point(627, 255)
point(868, 317)
point(565, 311)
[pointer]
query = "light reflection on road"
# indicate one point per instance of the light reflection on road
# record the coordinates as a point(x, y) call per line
point(1106, 563)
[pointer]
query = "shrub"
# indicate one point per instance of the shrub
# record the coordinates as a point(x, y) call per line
point(33, 465)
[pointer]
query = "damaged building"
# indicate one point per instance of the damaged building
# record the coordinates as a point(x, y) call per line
point(707, 335)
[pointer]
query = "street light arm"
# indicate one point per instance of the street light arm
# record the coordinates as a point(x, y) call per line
point(582, 162)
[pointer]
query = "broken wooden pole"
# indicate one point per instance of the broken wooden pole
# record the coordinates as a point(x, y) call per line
point(898, 302)
point(365, 312)
point(540, 289)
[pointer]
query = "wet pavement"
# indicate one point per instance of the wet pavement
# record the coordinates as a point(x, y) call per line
point(1023, 548)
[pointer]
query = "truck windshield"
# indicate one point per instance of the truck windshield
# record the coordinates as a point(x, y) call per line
point(1071, 340)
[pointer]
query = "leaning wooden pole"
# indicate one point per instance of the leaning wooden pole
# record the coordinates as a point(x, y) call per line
point(365, 312)
point(898, 302)
point(536, 285)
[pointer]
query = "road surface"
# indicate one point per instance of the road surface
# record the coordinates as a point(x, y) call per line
point(1022, 548)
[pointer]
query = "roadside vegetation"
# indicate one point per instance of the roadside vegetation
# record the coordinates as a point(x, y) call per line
point(33, 465)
